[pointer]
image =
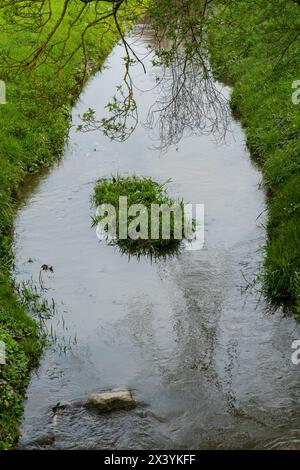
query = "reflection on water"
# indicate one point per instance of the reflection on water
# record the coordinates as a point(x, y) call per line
point(206, 363)
point(189, 102)
point(186, 100)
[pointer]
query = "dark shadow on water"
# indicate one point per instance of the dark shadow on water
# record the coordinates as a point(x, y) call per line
point(154, 252)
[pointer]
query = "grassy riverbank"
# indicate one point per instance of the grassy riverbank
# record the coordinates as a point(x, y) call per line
point(255, 47)
point(34, 125)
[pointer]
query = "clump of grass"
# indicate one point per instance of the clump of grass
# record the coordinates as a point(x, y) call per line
point(147, 192)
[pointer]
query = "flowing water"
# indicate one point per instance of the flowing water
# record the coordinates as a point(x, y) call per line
point(208, 365)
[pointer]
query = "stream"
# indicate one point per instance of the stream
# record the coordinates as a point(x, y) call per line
point(208, 364)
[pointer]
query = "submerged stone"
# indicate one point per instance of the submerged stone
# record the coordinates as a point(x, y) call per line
point(111, 400)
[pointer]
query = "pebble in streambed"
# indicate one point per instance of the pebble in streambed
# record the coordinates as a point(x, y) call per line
point(112, 400)
point(103, 402)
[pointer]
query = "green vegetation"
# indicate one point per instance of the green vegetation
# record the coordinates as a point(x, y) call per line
point(23, 338)
point(255, 47)
point(14, 376)
point(139, 191)
point(34, 124)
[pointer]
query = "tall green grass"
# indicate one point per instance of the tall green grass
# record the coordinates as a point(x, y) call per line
point(254, 47)
point(33, 127)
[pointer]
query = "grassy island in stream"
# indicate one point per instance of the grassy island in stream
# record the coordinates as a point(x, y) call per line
point(254, 48)
point(143, 195)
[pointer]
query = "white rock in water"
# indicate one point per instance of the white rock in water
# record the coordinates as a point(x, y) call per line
point(111, 400)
